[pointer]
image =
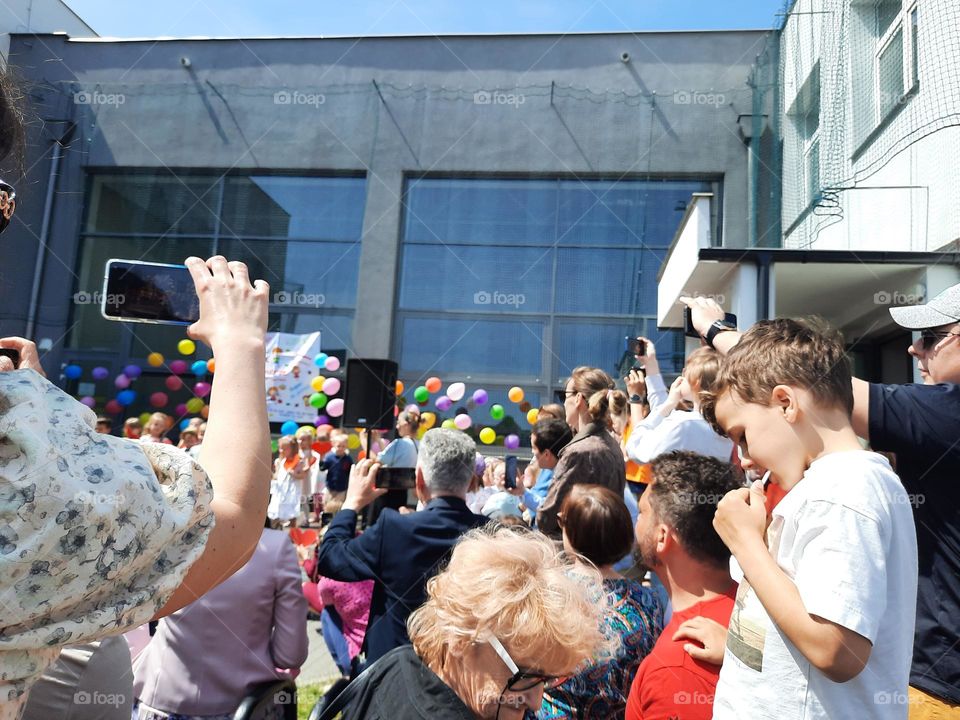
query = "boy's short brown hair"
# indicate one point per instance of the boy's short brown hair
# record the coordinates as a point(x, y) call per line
point(807, 354)
point(702, 367)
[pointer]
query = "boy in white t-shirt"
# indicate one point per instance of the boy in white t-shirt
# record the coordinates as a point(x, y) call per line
point(824, 618)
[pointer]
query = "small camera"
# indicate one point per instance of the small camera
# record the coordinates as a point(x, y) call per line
point(185, 61)
point(624, 57)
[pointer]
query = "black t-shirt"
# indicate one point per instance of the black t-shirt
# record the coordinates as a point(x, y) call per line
point(921, 424)
point(400, 687)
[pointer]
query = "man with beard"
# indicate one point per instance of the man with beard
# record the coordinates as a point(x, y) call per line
point(677, 541)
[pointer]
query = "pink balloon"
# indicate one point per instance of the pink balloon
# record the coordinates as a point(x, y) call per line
point(178, 367)
point(159, 399)
point(202, 389)
point(331, 386)
point(412, 407)
point(332, 364)
point(173, 383)
point(121, 381)
point(335, 407)
point(181, 409)
point(462, 421)
point(88, 401)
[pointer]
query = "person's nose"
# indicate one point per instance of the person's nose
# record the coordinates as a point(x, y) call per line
point(746, 462)
point(912, 350)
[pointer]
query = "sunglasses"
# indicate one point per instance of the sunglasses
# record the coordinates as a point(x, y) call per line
point(522, 680)
point(8, 203)
point(929, 338)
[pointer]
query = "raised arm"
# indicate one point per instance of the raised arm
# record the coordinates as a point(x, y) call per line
point(236, 456)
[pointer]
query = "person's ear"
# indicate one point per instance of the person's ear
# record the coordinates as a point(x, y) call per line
point(665, 539)
point(421, 485)
point(785, 399)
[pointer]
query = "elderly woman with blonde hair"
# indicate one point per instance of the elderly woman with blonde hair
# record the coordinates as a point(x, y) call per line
point(508, 617)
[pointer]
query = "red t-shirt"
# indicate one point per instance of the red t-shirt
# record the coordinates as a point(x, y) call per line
point(671, 685)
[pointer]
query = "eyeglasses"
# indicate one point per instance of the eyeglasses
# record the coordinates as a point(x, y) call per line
point(929, 338)
point(8, 203)
point(521, 680)
point(561, 396)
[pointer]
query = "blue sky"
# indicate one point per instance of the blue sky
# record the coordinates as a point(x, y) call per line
point(385, 17)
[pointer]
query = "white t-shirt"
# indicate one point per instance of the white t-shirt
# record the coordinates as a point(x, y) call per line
point(846, 537)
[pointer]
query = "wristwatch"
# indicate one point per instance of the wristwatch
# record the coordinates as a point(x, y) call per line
point(636, 399)
point(718, 327)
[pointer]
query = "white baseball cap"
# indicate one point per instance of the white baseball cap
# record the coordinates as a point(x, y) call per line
point(944, 309)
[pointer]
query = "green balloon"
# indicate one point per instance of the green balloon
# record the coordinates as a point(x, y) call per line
point(421, 394)
point(496, 412)
point(449, 424)
point(318, 400)
point(273, 445)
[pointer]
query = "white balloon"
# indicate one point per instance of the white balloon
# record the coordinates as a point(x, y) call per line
point(456, 391)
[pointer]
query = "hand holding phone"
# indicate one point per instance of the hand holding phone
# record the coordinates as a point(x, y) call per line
point(397, 478)
point(18, 353)
point(510, 472)
point(691, 331)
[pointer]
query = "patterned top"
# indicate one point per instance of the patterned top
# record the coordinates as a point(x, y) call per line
point(96, 532)
point(601, 690)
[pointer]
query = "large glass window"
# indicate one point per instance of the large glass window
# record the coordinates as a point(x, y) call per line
point(300, 234)
point(516, 282)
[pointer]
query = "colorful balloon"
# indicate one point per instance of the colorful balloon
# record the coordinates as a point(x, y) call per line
point(159, 399)
point(211, 366)
point(421, 394)
point(178, 367)
point(201, 389)
point(321, 420)
point(496, 412)
point(533, 415)
point(154, 359)
point(126, 397)
point(194, 405)
point(132, 371)
point(443, 403)
point(181, 409)
point(462, 421)
point(186, 347)
point(353, 442)
point(335, 407)
point(448, 424)
point(488, 435)
point(205, 412)
point(184, 424)
point(399, 388)
point(173, 383)
point(144, 418)
point(274, 446)
point(113, 407)
point(515, 394)
point(331, 386)
point(199, 368)
point(412, 407)
point(511, 442)
point(428, 420)
point(318, 400)
point(317, 383)
point(100, 373)
point(320, 360)
point(433, 384)
point(121, 381)
point(480, 396)
point(525, 407)
point(289, 428)
point(73, 371)
point(88, 401)
point(332, 364)
point(456, 391)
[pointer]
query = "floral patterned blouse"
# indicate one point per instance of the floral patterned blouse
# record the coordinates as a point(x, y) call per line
point(96, 532)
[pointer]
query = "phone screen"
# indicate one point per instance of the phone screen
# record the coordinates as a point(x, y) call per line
point(510, 472)
point(635, 346)
point(149, 292)
point(397, 478)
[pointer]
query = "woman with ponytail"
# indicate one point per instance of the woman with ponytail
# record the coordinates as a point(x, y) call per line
point(594, 456)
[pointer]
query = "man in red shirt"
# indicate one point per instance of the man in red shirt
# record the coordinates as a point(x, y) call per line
point(676, 539)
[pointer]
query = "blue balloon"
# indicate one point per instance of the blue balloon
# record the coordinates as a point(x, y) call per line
point(289, 428)
point(320, 359)
point(126, 397)
point(199, 368)
point(132, 371)
point(184, 424)
point(73, 371)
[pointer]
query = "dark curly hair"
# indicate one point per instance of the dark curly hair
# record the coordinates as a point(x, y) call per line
point(684, 493)
point(12, 136)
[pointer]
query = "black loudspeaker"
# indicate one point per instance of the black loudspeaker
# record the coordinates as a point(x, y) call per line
point(371, 394)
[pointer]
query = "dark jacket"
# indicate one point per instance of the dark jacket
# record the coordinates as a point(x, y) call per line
point(399, 552)
point(593, 457)
point(401, 687)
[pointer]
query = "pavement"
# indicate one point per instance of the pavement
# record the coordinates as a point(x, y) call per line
point(319, 667)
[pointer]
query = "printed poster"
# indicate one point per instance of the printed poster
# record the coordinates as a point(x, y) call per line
point(288, 372)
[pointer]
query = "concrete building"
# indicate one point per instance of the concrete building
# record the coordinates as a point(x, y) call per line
point(491, 209)
point(38, 16)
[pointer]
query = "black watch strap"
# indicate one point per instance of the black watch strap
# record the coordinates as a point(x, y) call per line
point(718, 327)
point(636, 399)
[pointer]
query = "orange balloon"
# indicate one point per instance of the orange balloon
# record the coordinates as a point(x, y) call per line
point(515, 394)
point(211, 366)
point(433, 384)
point(399, 388)
point(205, 412)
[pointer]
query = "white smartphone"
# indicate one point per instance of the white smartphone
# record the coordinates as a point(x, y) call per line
point(136, 291)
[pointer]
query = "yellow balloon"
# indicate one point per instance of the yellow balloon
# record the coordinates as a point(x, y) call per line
point(155, 359)
point(428, 420)
point(515, 394)
point(353, 442)
point(533, 416)
point(317, 383)
point(144, 418)
point(488, 435)
point(421, 432)
point(194, 405)
point(186, 347)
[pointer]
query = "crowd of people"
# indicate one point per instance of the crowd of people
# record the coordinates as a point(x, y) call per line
point(770, 537)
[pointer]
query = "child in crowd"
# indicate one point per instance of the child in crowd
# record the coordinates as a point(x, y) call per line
point(156, 429)
point(824, 617)
point(132, 429)
point(104, 425)
point(188, 439)
point(337, 463)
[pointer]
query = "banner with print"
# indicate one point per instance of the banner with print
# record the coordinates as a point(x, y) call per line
point(289, 370)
